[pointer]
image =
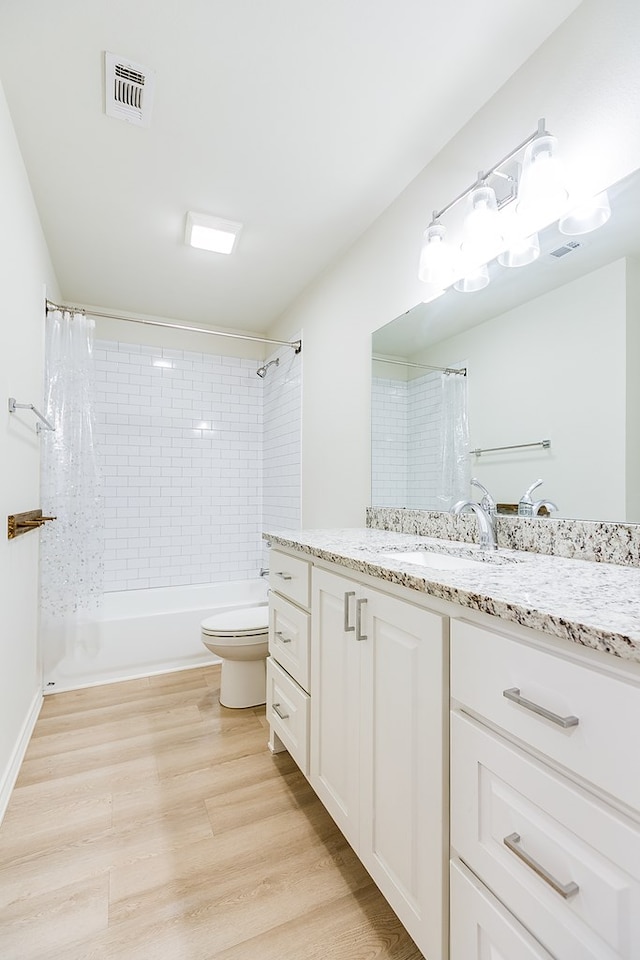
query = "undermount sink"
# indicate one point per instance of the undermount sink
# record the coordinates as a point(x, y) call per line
point(436, 561)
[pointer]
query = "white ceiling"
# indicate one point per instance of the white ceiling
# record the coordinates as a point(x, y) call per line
point(302, 120)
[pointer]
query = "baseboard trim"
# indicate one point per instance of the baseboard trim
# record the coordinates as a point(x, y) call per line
point(10, 775)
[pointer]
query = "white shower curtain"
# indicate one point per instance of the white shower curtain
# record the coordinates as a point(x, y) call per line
point(71, 567)
point(455, 461)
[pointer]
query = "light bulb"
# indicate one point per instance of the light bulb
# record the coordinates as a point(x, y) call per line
point(482, 228)
point(437, 258)
point(542, 194)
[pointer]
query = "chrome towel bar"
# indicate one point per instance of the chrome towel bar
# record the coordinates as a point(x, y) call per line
point(13, 406)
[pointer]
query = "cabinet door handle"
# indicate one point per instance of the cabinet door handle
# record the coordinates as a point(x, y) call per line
point(276, 709)
point(565, 890)
point(281, 637)
point(513, 694)
point(283, 574)
point(347, 597)
point(359, 634)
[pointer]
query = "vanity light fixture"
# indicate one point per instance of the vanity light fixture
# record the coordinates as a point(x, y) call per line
point(496, 227)
point(211, 233)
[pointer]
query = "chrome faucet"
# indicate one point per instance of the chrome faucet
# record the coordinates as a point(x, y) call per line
point(486, 522)
point(487, 503)
point(536, 507)
point(525, 506)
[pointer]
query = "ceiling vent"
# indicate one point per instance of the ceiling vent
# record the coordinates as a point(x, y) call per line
point(565, 249)
point(128, 89)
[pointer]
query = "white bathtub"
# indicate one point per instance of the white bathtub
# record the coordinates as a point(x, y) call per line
point(144, 632)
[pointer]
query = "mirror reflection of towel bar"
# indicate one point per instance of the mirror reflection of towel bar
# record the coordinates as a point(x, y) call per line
point(514, 446)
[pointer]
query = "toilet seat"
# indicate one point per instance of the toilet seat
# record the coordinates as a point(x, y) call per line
point(241, 624)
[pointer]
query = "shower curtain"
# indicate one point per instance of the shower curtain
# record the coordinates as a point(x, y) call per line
point(71, 567)
point(455, 461)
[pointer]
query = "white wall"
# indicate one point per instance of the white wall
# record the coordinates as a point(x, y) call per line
point(585, 80)
point(25, 268)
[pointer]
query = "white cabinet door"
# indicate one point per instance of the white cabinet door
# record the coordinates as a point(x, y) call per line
point(404, 796)
point(481, 928)
point(335, 704)
point(378, 738)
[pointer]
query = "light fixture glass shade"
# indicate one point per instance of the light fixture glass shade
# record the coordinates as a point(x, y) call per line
point(476, 279)
point(586, 216)
point(520, 252)
point(437, 258)
point(542, 193)
point(482, 227)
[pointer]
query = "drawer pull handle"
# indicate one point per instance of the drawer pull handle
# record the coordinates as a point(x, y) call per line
point(276, 709)
point(513, 694)
point(281, 637)
point(565, 890)
point(359, 634)
point(283, 574)
point(347, 597)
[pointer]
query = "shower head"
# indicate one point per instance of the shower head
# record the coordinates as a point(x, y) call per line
point(262, 371)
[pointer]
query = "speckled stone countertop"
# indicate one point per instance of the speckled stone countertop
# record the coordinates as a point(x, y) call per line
point(594, 604)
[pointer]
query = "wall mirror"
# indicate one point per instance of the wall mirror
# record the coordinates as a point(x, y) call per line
point(552, 353)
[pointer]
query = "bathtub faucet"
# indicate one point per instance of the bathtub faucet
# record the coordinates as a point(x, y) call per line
point(264, 571)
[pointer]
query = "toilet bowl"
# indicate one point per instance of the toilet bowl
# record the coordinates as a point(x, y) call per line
point(240, 638)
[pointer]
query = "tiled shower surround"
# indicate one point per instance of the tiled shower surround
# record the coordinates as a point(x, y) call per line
point(406, 418)
point(181, 439)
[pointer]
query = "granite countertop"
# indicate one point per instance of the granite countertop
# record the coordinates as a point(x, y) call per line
point(594, 604)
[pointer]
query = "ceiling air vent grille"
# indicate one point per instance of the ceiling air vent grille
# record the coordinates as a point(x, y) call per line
point(566, 248)
point(128, 90)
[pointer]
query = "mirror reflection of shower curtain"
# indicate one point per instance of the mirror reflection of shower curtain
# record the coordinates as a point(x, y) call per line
point(455, 459)
point(71, 566)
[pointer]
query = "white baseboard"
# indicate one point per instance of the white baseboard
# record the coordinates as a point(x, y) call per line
point(10, 775)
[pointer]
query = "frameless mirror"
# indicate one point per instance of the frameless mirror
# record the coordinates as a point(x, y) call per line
point(552, 353)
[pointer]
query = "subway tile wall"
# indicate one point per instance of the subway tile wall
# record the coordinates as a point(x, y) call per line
point(179, 437)
point(406, 437)
point(389, 450)
point(424, 441)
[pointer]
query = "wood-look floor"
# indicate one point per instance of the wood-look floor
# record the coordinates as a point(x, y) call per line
point(150, 823)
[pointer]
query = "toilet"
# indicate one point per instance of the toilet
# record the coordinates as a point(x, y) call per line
point(240, 638)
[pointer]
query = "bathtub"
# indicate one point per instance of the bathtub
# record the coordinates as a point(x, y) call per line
point(144, 632)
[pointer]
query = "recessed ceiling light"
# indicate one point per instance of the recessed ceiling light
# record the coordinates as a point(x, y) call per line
point(211, 233)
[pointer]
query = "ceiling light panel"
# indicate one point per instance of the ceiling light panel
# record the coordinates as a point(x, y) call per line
point(211, 233)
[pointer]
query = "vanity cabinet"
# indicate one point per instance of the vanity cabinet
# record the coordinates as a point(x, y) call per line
point(379, 711)
point(288, 680)
point(545, 776)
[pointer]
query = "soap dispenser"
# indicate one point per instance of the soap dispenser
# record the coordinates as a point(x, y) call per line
point(525, 506)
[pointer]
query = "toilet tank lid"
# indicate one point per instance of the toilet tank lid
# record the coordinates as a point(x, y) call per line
point(240, 620)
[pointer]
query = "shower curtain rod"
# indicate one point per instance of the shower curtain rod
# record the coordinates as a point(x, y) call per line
point(296, 345)
point(462, 371)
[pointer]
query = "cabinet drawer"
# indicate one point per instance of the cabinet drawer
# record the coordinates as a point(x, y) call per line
point(481, 928)
point(601, 747)
point(559, 859)
point(290, 576)
point(288, 713)
point(289, 638)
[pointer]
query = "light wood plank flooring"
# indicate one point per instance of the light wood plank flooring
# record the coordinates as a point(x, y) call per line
point(150, 823)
